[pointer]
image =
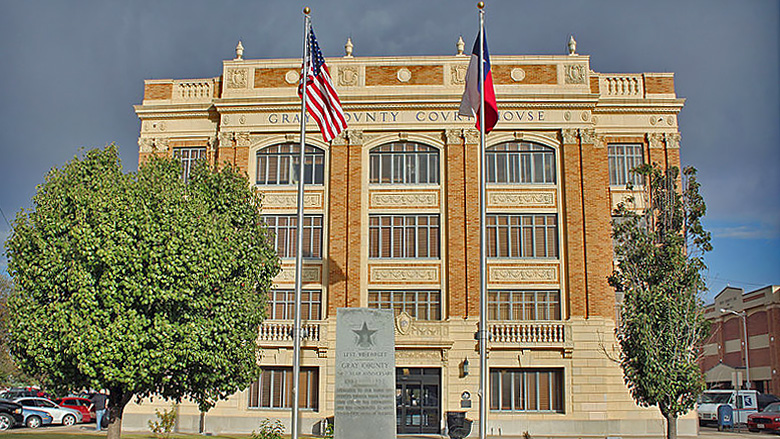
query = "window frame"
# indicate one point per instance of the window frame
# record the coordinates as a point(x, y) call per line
point(187, 163)
point(282, 301)
point(508, 236)
point(520, 380)
point(282, 161)
point(521, 163)
point(399, 301)
point(309, 399)
point(620, 162)
point(286, 243)
point(517, 305)
point(389, 236)
point(404, 163)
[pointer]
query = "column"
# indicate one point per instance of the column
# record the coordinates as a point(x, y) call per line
point(455, 193)
point(337, 224)
point(471, 254)
point(573, 223)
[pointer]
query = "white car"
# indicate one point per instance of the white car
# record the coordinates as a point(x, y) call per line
point(61, 415)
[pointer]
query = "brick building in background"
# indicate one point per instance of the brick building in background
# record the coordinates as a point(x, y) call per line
point(723, 359)
point(392, 221)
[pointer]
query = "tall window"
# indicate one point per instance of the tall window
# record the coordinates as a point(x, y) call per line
point(282, 306)
point(188, 157)
point(278, 164)
point(522, 236)
point(622, 159)
point(423, 305)
point(526, 390)
point(403, 236)
point(524, 305)
point(520, 162)
point(404, 163)
point(273, 390)
point(284, 228)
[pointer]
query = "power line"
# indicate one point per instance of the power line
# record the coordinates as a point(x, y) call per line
point(6, 219)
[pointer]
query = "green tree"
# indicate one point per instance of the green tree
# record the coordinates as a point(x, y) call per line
point(140, 283)
point(10, 375)
point(660, 260)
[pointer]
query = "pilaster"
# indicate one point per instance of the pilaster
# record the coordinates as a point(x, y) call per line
point(454, 180)
point(471, 255)
point(572, 223)
point(354, 216)
point(337, 225)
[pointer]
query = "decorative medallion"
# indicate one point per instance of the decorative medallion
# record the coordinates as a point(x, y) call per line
point(348, 76)
point(226, 120)
point(670, 120)
point(403, 323)
point(575, 74)
point(237, 78)
point(585, 115)
point(517, 74)
point(292, 77)
point(242, 119)
point(162, 126)
point(458, 74)
point(404, 75)
point(567, 116)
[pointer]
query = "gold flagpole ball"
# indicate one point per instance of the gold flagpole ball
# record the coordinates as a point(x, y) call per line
point(306, 10)
point(481, 5)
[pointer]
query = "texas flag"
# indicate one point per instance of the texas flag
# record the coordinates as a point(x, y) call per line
point(469, 105)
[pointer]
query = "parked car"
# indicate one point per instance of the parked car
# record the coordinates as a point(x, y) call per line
point(20, 392)
point(80, 404)
point(34, 418)
point(764, 399)
point(61, 415)
point(769, 419)
point(10, 414)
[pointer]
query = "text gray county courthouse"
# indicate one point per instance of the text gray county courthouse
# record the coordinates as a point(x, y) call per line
point(392, 222)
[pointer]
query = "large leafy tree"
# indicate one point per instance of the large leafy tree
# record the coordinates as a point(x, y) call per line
point(140, 283)
point(660, 262)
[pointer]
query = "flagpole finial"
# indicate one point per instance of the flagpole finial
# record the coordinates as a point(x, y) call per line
point(306, 10)
point(481, 5)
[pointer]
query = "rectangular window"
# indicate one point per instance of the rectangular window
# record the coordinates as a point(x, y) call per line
point(524, 305)
point(282, 305)
point(403, 236)
point(284, 228)
point(526, 390)
point(187, 157)
point(623, 158)
point(422, 305)
point(522, 236)
point(273, 390)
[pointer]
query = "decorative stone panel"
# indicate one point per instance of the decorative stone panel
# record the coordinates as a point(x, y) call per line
point(521, 199)
point(384, 200)
point(537, 274)
point(312, 274)
point(427, 274)
point(289, 200)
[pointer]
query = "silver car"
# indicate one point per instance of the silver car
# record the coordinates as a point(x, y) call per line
point(61, 415)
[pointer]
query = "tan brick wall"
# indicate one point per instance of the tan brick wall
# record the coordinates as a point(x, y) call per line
point(271, 78)
point(337, 226)
point(534, 74)
point(354, 220)
point(657, 85)
point(598, 244)
point(157, 91)
point(573, 233)
point(594, 84)
point(456, 229)
point(388, 75)
point(471, 255)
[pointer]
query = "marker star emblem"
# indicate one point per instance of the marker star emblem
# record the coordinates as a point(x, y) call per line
point(364, 336)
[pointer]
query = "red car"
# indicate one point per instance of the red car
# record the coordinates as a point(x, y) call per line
point(80, 404)
point(769, 419)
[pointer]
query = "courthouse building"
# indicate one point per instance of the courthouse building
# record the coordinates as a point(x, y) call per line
point(392, 221)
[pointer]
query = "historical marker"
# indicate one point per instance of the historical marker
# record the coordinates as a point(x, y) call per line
point(365, 374)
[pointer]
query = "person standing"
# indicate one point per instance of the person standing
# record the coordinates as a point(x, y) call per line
point(99, 401)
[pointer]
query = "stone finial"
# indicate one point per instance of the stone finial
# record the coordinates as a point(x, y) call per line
point(460, 45)
point(572, 45)
point(239, 51)
point(348, 48)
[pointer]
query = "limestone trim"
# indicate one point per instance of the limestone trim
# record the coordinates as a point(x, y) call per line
point(379, 199)
point(289, 200)
point(312, 274)
point(403, 274)
point(522, 274)
point(521, 199)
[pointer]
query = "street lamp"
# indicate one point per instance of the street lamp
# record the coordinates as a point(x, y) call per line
point(742, 314)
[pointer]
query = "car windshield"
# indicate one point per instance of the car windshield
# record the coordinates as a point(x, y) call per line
point(773, 408)
point(715, 398)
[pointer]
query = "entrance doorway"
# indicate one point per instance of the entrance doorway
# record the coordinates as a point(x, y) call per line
point(418, 400)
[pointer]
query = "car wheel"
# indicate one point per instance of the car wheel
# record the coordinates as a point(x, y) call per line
point(68, 420)
point(33, 421)
point(6, 422)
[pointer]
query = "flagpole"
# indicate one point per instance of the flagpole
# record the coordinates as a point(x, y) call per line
point(483, 335)
point(297, 333)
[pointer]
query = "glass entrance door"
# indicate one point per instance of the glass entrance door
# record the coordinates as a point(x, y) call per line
point(418, 402)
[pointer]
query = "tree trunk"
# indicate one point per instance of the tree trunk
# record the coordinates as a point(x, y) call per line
point(116, 409)
point(671, 427)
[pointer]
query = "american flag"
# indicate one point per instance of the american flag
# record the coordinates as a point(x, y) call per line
point(323, 102)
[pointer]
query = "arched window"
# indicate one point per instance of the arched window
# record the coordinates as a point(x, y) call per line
point(278, 164)
point(404, 163)
point(520, 162)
